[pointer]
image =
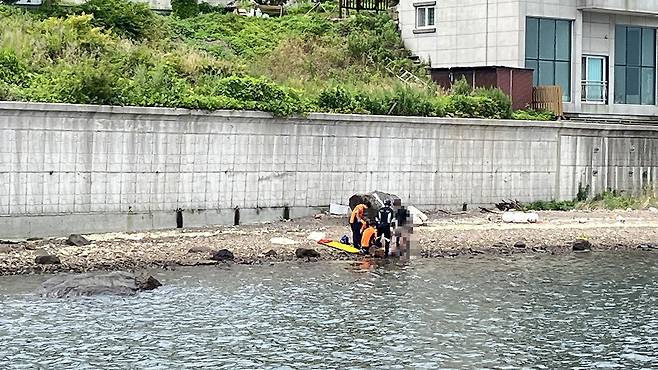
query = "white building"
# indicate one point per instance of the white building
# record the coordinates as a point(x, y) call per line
point(602, 52)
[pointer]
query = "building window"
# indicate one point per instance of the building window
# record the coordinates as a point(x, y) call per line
point(424, 16)
point(635, 65)
point(548, 52)
point(594, 79)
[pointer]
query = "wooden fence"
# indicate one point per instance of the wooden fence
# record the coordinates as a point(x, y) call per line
point(548, 98)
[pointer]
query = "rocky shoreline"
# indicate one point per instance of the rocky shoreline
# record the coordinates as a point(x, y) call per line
point(446, 235)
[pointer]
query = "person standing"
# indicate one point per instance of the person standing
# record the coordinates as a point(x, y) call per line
point(384, 221)
point(403, 230)
point(358, 223)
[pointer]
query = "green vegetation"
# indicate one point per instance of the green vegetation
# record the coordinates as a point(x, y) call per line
point(610, 199)
point(121, 53)
point(533, 115)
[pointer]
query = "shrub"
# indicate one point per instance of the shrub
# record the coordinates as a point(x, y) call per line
point(408, 101)
point(184, 8)
point(501, 100)
point(461, 87)
point(12, 70)
point(123, 17)
point(338, 100)
point(532, 115)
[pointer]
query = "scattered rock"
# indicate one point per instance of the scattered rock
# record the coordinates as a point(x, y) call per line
point(77, 240)
point(306, 253)
point(648, 246)
point(4, 241)
point(270, 253)
point(499, 245)
point(318, 216)
point(316, 236)
point(47, 259)
point(621, 219)
point(581, 245)
point(200, 249)
point(147, 282)
point(114, 283)
point(653, 209)
point(33, 239)
point(6, 248)
point(519, 245)
point(283, 241)
point(223, 255)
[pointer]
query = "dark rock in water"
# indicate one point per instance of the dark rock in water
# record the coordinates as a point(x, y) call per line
point(34, 239)
point(375, 198)
point(519, 245)
point(147, 282)
point(648, 246)
point(77, 240)
point(200, 249)
point(2, 241)
point(270, 253)
point(113, 283)
point(306, 253)
point(223, 255)
point(47, 259)
point(581, 245)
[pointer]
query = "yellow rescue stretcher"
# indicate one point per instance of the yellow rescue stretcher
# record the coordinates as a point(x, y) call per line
point(338, 245)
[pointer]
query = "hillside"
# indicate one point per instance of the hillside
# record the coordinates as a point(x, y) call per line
point(119, 53)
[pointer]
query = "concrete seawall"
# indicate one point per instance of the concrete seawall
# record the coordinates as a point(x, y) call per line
point(74, 168)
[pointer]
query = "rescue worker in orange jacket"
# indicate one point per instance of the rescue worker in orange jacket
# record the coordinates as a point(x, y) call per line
point(369, 237)
point(358, 223)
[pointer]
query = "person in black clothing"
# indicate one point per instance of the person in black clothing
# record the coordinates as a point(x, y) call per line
point(402, 229)
point(384, 221)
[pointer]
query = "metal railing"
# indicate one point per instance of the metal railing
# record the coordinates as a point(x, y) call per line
point(594, 91)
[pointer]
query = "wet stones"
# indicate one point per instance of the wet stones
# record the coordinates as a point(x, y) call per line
point(113, 283)
point(306, 253)
point(77, 240)
point(222, 255)
point(47, 259)
point(581, 245)
point(271, 253)
point(200, 249)
point(519, 245)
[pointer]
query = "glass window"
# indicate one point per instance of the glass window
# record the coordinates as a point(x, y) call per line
point(424, 16)
point(648, 47)
point(620, 45)
point(546, 39)
point(648, 84)
point(548, 52)
point(633, 45)
point(546, 75)
point(632, 85)
point(620, 85)
point(563, 40)
point(532, 38)
point(594, 80)
point(420, 12)
point(635, 65)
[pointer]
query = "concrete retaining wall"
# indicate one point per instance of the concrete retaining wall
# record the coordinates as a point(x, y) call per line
point(73, 168)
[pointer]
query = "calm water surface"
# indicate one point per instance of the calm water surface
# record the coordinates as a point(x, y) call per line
point(579, 311)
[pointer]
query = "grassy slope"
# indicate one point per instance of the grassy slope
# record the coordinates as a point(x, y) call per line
point(186, 62)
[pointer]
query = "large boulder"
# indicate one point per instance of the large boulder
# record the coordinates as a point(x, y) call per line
point(223, 255)
point(47, 259)
point(306, 253)
point(113, 283)
point(77, 240)
point(376, 200)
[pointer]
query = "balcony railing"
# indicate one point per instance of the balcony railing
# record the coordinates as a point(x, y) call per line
point(594, 91)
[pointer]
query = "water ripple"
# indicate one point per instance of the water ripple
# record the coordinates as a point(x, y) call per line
point(588, 312)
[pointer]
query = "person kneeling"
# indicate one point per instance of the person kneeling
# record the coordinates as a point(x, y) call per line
point(368, 239)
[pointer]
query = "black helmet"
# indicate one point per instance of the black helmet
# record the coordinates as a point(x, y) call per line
point(387, 202)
